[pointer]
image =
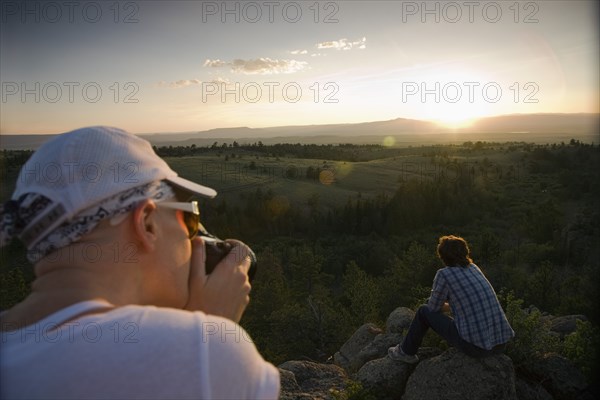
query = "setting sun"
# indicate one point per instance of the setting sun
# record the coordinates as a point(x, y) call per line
point(456, 123)
point(455, 116)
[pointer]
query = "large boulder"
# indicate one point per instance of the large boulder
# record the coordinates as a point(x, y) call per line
point(346, 357)
point(456, 376)
point(312, 380)
point(384, 377)
point(369, 342)
point(531, 391)
point(565, 324)
point(299, 396)
point(288, 381)
point(428, 352)
point(399, 319)
point(558, 375)
point(377, 348)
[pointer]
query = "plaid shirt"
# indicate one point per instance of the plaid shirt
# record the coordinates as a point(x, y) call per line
point(478, 315)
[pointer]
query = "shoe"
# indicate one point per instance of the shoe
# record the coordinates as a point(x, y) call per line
point(396, 354)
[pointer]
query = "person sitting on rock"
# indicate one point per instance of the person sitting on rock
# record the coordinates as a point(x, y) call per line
point(479, 327)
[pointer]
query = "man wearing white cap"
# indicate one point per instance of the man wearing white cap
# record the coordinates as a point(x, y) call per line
point(122, 306)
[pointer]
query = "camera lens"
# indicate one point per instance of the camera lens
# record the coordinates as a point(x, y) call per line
point(217, 249)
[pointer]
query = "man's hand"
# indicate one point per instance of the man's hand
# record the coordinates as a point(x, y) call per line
point(225, 292)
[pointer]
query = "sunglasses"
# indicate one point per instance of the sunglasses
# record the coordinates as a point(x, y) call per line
point(191, 215)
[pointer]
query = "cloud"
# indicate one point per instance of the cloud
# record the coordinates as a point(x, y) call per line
point(214, 63)
point(343, 44)
point(221, 81)
point(266, 66)
point(191, 82)
point(295, 52)
point(180, 83)
point(259, 66)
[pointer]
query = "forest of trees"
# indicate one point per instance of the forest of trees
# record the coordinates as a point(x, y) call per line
point(323, 271)
point(346, 152)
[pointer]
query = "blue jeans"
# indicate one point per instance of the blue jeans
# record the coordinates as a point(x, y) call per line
point(443, 326)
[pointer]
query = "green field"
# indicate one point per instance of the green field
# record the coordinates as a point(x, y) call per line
point(341, 180)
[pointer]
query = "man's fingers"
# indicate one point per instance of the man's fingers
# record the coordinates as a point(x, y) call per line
point(225, 291)
point(239, 255)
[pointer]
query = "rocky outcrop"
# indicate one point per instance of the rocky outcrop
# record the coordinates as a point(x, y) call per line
point(399, 319)
point(566, 324)
point(527, 390)
point(454, 375)
point(385, 378)
point(347, 356)
point(289, 384)
point(308, 380)
point(557, 375)
point(370, 343)
point(438, 375)
point(377, 348)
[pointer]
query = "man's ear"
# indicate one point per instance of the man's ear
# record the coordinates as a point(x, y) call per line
point(144, 224)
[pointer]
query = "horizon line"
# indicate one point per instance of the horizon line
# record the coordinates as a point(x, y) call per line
point(328, 124)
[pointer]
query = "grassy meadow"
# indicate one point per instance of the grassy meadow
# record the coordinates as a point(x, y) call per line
point(382, 172)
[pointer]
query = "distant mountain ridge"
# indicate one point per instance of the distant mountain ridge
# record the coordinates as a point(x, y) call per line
point(531, 126)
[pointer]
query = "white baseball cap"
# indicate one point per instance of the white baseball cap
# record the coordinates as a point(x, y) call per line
point(78, 169)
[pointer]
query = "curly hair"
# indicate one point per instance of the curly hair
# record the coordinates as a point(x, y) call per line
point(453, 251)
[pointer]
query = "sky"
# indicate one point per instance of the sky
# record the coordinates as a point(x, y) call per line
point(178, 66)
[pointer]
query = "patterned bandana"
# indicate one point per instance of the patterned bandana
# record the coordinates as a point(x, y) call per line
point(18, 217)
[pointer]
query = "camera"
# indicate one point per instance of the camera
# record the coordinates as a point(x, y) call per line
point(217, 249)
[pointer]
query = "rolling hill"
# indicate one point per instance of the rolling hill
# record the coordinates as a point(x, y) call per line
point(540, 128)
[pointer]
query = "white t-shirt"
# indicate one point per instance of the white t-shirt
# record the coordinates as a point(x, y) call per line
point(133, 352)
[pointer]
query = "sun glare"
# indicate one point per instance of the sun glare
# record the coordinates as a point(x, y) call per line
point(454, 117)
point(445, 99)
point(457, 116)
point(456, 123)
